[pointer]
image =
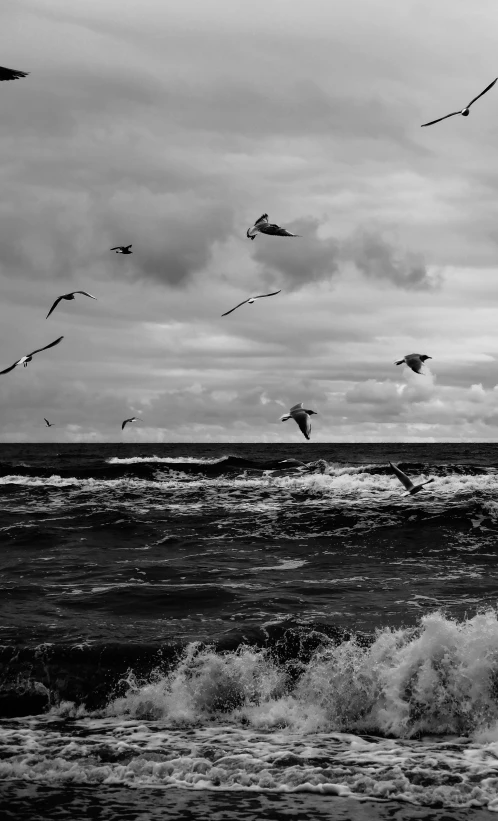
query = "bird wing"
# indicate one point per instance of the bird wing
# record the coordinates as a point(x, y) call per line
point(237, 306)
point(399, 362)
point(51, 345)
point(46, 420)
point(303, 420)
point(85, 293)
point(54, 306)
point(275, 230)
point(441, 118)
point(263, 295)
point(126, 420)
point(11, 367)
point(117, 248)
point(403, 478)
point(414, 362)
point(297, 407)
point(263, 218)
point(482, 92)
point(12, 74)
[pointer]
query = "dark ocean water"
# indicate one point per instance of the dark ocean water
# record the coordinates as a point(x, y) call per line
point(181, 621)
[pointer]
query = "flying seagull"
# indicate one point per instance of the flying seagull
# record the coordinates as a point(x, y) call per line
point(251, 300)
point(122, 249)
point(11, 74)
point(49, 424)
point(68, 296)
point(465, 111)
point(262, 226)
point(414, 361)
point(132, 419)
point(301, 416)
point(25, 359)
point(406, 482)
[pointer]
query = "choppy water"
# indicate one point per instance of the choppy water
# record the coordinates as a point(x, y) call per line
point(205, 618)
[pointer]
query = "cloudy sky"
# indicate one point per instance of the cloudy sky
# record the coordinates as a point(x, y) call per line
point(173, 126)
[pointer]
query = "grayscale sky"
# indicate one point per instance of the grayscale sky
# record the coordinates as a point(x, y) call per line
point(173, 126)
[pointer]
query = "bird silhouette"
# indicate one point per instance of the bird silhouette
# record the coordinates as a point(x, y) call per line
point(262, 226)
point(68, 296)
point(25, 359)
point(465, 111)
point(301, 416)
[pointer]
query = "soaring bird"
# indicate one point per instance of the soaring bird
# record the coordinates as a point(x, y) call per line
point(68, 296)
point(406, 482)
point(301, 416)
point(122, 249)
point(49, 424)
point(414, 361)
point(25, 359)
point(131, 419)
point(251, 300)
point(262, 226)
point(465, 111)
point(11, 74)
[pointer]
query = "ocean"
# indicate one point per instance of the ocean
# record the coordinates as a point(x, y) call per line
point(248, 632)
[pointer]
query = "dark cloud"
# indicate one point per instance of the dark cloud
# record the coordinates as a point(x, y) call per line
point(378, 259)
point(301, 260)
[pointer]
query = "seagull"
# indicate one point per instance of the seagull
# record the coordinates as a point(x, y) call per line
point(122, 249)
point(25, 359)
point(11, 74)
point(49, 424)
point(406, 482)
point(68, 296)
point(301, 416)
point(465, 111)
point(132, 419)
point(414, 361)
point(262, 226)
point(251, 300)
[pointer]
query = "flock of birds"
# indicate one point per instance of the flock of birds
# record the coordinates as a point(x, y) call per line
point(300, 414)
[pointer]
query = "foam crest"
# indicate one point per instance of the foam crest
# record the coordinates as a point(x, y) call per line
point(439, 678)
point(135, 460)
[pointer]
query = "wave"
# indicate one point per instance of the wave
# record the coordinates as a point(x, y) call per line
point(438, 678)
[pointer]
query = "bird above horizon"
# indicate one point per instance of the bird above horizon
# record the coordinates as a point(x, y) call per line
point(11, 74)
point(407, 482)
point(301, 416)
point(131, 419)
point(122, 249)
point(251, 300)
point(414, 361)
point(68, 296)
point(262, 226)
point(49, 424)
point(465, 111)
point(25, 359)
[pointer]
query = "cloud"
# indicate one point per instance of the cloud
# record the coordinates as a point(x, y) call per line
point(379, 260)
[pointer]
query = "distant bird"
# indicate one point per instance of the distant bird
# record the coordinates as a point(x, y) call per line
point(68, 296)
point(49, 424)
point(414, 361)
point(262, 226)
point(406, 482)
point(122, 249)
point(25, 359)
point(301, 416)
point(251, 300)
point(465, 111)
point(132, 419)
point(11, 74)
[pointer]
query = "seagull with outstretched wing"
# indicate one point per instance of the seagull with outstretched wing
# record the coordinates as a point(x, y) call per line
point(465, 111)
point(414, 361)
point(11, 74)
point(25, 359)
point(262, 226)
point(407, 482)
point(301, 416)
point(68, 296)
point(250, 301)
point(131, 419)
point(122, 249)
point(49, 424)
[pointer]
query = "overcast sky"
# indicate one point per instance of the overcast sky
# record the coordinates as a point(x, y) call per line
point(174, 126)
